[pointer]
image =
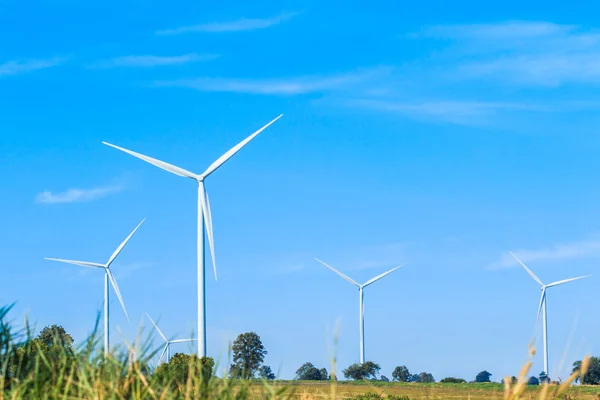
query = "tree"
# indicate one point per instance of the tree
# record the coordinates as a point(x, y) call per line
point(453, 380)
point(384, 378)
point(482, 377)
point(592, 376)
point(248, 355)
point(324, 374)
point(266, 373)
point(533, 381)
point(55, 335)
point(401, 374)
point(362, 371)
point(177, 371)
point(308, 372)
point(426, 377)
point(544, 377)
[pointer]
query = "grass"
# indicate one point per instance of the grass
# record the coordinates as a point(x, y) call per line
point(31, 369)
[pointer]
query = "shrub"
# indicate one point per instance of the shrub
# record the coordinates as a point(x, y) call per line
point(453, 380)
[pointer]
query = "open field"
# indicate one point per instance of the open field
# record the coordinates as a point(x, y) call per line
point(467, 391)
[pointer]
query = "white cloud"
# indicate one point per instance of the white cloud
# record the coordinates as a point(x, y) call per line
point(567, 251)
point(521, 52)
point(76, 195)
point(281, 86)
point(16, 67)
point(153, 61)
point(243, 24)
point(458, 112)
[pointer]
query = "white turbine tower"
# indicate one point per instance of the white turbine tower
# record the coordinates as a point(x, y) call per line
point(361, 305)
point(108, 276)
point(542, 306)
point(204, 219)
point(168, 342)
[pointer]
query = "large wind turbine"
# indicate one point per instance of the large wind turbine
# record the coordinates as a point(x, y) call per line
point(107, 276)
point(361, 305)
point(542, 306)
point(204, 219)
point(168, 342)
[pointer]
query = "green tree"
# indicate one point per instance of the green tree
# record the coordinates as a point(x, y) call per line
point(384, 378)
point(248, 355)
point(368, 370)
point(55, 335)
point(482, 377)
point(401, 374)
point(177, 371)
point(592, 376)
point(544, 377)
point(426, 377)
point(308, 372)
point(324, 374)
point(265, 373)
point(533, 381)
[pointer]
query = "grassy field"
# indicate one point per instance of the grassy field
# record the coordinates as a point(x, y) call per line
point(467, 391)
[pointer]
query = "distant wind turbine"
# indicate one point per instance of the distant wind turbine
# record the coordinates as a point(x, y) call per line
point(361, 305)
point(542, 306)
point(107, 276)
point(168, 342)
point(203, 213)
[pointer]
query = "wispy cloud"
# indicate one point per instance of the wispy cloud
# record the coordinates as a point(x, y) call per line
point(279, 86)
point(76, 195)
point(243, 24)
point(522, 52)
point(458, 112)
point(567, 251)
point(153, 61)
point(16, 67)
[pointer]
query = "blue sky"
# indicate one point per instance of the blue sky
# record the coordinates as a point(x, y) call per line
point(444, 134)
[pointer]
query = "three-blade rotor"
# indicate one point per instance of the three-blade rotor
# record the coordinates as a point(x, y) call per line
point(167, 341)
point(544, 287)
point(106, 266)
point(367, 283)
point(202, 194)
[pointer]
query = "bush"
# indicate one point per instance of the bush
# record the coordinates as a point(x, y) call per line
point(377, 396)
point(453, 380)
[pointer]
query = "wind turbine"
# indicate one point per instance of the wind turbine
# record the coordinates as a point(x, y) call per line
point(108, 276)
point(361, 305)
point(204, 220)
point(542, 306)
point(167, 348)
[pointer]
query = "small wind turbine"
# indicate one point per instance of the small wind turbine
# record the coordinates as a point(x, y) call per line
point(361, 305)
point(542, 306)
point(168, 342)
point(203, 212)
point(107, 276)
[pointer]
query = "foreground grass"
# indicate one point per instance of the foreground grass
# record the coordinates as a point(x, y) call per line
point(48, 370)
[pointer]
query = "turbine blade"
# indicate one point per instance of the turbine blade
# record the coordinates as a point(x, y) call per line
point(182, 340)
point(378, 277)
point(208, 223)
point(163, 353)
point(118, 250)
point(160, 164)
point(542, 299)
point(221, 160)
point(157, 328)
point(117, 291)
point(80, 263)
point(566, 280)
point(527, 269)
point(352, 281)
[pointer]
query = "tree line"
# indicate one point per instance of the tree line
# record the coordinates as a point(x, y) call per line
point(55, 346)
